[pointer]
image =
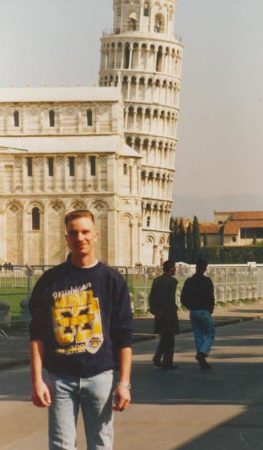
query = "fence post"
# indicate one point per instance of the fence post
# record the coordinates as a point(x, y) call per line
point(29, 272)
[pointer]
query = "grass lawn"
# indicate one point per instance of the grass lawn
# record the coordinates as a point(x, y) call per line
point(14, 289)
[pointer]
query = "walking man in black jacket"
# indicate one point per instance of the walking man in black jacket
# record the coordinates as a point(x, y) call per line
point(198, 296)
point(163, 306)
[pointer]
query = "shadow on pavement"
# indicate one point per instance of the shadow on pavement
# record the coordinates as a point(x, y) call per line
point(14, 388)
point(234, 385)
point(244, 431)
point(247, 311)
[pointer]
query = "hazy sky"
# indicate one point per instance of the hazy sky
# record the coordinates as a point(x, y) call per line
point(220, 149)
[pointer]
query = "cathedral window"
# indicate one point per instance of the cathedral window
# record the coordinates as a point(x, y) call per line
point(16, 118)
point(35, 219)
point(92, 161)
point(50, 162)
point(51, 118)
point(125, 169)
point(89, 118)
point(29, 166)
point(71, 163)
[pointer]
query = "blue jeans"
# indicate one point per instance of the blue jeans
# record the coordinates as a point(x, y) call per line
point(94, 396)
point(203, 329)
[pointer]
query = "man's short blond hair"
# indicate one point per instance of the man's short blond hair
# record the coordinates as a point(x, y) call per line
point(78, 214)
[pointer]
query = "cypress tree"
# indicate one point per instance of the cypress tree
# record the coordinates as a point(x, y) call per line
point(196, 238)
point(176, 227)
point(180, 256)
point(172, 221)
point(189, 243)
point(205, 239)
point(173, 238)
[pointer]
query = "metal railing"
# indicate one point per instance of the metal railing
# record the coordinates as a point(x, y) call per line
point(231, 283)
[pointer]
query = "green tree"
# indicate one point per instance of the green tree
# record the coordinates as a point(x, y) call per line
point(189, 243)
point(177, 250)
point(180, 255)
point(205, 239)
point(174, 227)
point(196, 239)
point(172, 222)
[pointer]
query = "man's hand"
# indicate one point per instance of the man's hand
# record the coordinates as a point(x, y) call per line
point(40, 394)
point(122, 398)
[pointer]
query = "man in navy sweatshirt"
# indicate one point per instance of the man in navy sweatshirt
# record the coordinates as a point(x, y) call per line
point(81, 319)
point(198, 296)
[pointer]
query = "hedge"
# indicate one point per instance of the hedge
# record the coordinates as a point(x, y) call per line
point(232, 255)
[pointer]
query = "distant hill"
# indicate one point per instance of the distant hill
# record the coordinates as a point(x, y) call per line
point(204, 208)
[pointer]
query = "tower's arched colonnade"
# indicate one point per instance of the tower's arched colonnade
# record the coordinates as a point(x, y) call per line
point(143, 57)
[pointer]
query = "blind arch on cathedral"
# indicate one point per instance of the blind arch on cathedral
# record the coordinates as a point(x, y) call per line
point(14, 225)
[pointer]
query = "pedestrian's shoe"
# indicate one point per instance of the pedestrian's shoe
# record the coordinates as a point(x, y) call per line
point(157, 362)
point(170, 367)
point(201, 358)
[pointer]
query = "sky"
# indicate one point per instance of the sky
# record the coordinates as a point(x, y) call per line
point(220, 129)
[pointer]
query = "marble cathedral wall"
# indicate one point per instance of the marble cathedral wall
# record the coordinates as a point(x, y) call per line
point(48, 172)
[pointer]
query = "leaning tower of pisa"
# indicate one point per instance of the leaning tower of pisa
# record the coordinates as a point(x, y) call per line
point(143, 56)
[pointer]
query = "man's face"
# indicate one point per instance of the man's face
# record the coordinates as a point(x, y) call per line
point(81, 236)
point(173, 270)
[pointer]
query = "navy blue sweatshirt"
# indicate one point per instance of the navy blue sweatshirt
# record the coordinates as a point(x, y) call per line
point(82, 316)
point(198, 293)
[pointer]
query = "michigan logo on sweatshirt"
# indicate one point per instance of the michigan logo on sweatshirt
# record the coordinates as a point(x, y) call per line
point(77, 322)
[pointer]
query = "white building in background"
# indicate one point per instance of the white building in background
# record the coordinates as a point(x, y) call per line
point(142, 55)
point(63, 149)
point(73, 148)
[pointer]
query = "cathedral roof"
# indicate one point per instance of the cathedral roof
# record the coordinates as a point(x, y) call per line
point(59, 94)
point(68, 144)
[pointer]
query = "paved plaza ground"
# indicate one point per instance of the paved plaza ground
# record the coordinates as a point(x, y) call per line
point(183, 409)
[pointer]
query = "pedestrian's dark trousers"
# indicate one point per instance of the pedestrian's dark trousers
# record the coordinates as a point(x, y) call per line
point(165, 349)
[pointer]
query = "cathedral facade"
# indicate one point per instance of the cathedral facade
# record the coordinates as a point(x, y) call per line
point(110, 149)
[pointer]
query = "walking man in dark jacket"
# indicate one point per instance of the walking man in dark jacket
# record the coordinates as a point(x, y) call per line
point(163, 306)
point(198, 296)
